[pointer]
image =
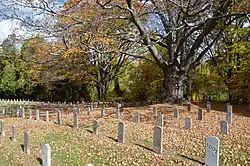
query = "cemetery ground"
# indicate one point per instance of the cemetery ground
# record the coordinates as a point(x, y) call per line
point(80, 146)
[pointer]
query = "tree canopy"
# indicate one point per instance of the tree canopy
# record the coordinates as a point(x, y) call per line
point(127, 50)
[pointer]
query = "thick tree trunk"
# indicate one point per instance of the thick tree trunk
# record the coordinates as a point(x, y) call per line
point(105, 94)
point(98, 89)
point(173, 85)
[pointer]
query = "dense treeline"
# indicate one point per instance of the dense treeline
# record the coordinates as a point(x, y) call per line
point(126, 51)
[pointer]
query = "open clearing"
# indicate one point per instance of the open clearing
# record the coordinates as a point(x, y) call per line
point(79, 147)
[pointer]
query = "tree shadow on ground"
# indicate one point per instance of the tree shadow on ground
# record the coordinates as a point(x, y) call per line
point(22, 146)
point(69, 125)
point(191, 159)
point(116, 140)
point(144, 147)
point(89, 131)
point(39, 160)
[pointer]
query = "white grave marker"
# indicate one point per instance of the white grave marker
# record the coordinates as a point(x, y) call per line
point(212, 151)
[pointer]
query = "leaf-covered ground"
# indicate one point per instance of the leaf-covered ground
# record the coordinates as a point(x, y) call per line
point(78, 147)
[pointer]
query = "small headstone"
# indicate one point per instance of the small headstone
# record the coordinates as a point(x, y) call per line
point(46, 155)
point(229, 114)
point(176, 113)
point(88, 110)
point(23, 113)
point(76, 119)
point(37, 114)
point(2, 128)
point(26, 146)
point(137, 118)
point(95, 127)
point(208, 106)
point(3, 111)
point(102, 112)
point(158, 139)
point(88, 165)
point(154, 112)
point(200, 114)
point(160, 121)
point(91, 106)
point(17, 112)
point(68, 109)
point(119, 105)
point(212, 151)
point(20, 111)
point(121, 132)
point(118, 114)
point(223, 127)
point(188, 123)
point(46, 116)
point(13, 133)
point(30, 115)
point(59, 117)
point(189, 107)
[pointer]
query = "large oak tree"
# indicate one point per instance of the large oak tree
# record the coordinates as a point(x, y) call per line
point(186, 29)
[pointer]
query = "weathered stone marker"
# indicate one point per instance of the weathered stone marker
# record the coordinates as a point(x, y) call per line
point(95, 127)
point(46, 118)
point(91, 106)
point(68, 110)
point(137, 118)
point(23, 113)
point(88, 110)
point(118, 114)
point(227, 104)
point(37, 114)
point(102, 112)
point(158, 138)
point(160, 121)
point(13, 133)
point(229, 114)
point(119, 105)
point(17, 112)
point(176, 113)
point(200, 114)
point(2, 128)
point(76, 119)
point(59, 117)
point(209, 106)
point(46, 155)
point(26, 146)
point(223, 127)
point(30, 115)
point(212, 151)
point(188, 123)
point(121, 132)
point(3, 111)
point(154, 111)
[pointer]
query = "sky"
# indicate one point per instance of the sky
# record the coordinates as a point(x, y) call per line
point(7, 26)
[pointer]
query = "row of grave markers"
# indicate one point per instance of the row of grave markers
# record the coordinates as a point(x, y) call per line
point(158, 130)
point(46, 150)
point(212, 142)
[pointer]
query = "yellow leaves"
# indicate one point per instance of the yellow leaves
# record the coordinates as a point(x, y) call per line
point(71, 52)
point(66, 20)
point(107, 40)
